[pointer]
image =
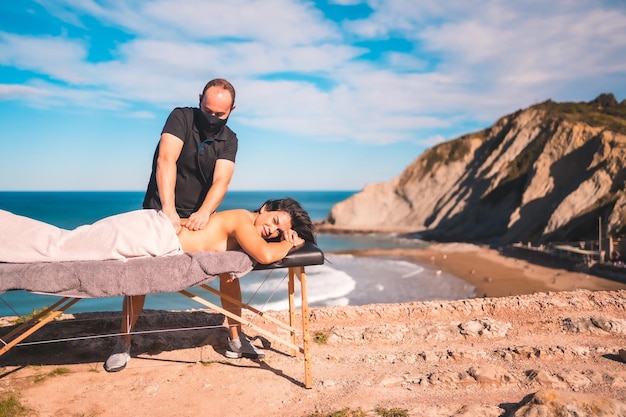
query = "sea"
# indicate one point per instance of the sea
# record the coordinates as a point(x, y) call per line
point(341, 280)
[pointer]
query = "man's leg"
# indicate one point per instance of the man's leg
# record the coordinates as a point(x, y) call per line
point(130, 311)
point(238, 343)
point(120, 356)
point(231, 287)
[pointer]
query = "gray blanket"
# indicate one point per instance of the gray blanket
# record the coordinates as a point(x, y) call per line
point(136, 276)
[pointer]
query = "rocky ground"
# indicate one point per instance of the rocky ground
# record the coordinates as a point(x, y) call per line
point(544, 354)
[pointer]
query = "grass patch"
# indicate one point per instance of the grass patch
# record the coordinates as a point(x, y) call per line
point(90, 414)
point(449, 152)
point(51, 374)
point(321, 337)
point(10, 406)
point(27, 317)
point(392, 412)
point(604, 111)
point(346, 412)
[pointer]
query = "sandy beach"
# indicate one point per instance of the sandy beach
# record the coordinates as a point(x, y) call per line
point(493, 274)
point(534, 331)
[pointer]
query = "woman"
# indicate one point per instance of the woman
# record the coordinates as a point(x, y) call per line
point(267, 234)
point(148, 232)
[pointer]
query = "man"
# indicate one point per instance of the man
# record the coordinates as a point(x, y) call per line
point(192, 168)
point(195, 159)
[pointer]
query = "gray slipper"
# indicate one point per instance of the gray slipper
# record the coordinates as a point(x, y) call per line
point(238, 348)
point(119, 357)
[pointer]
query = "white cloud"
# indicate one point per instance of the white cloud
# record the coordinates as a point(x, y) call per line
point(18, 91)
point(141, 115)
point(57, 57)
point(432, 140)
point(274, 22)
point(299, 74)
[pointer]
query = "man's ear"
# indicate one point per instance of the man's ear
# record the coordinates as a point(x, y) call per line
point(200, 100)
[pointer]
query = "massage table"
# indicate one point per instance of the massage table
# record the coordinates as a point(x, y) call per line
point(73, 281)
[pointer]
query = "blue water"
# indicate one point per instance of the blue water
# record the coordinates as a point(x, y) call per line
point(69, 209)
point(342, 280)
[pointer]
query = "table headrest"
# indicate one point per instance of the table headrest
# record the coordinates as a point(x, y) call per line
point(308, 254)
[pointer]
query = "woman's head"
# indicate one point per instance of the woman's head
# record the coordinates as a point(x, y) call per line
point(300, 220)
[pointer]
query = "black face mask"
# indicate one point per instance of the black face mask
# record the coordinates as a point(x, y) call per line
point(211, 123)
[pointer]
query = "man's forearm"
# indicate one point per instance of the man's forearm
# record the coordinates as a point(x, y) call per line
point(215, 196)
point(222, 175)
point(166, 183)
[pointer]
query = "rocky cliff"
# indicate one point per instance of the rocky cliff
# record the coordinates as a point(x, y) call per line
point(545, 173)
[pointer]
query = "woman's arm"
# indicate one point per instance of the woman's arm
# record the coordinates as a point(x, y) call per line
point(262, 251)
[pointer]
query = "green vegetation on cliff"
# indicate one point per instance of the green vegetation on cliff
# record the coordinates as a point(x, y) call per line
point(604, 111)
point(451, 151)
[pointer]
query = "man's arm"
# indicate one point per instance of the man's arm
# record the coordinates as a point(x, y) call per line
point(170, 148)
point(222, 175)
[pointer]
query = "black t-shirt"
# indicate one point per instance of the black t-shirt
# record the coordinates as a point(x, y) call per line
point(196, 163)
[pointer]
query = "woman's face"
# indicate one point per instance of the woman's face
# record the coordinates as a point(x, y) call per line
point(272, 224)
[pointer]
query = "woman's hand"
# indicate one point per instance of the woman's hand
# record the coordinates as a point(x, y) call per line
point(292, 237)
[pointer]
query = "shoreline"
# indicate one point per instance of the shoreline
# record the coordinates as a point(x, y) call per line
point(492, 273)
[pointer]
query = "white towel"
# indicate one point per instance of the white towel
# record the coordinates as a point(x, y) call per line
point(139, 233)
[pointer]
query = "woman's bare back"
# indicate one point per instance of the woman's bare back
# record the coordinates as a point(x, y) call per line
point(245, 230)
point(217, 235)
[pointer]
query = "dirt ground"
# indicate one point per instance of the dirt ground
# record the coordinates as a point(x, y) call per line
point(473, 357)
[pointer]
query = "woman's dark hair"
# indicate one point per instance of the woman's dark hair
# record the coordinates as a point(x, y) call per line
point(300, 220)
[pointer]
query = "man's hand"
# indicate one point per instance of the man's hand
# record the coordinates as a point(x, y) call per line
point(174, 218)
point(292, 237)
point(197, 220)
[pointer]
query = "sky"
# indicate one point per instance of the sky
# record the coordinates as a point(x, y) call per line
point(331, 95)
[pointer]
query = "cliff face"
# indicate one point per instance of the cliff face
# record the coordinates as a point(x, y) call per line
point(548, 172)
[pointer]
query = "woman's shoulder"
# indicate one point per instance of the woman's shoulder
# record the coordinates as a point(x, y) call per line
point(233, 214)
point(230, 221)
